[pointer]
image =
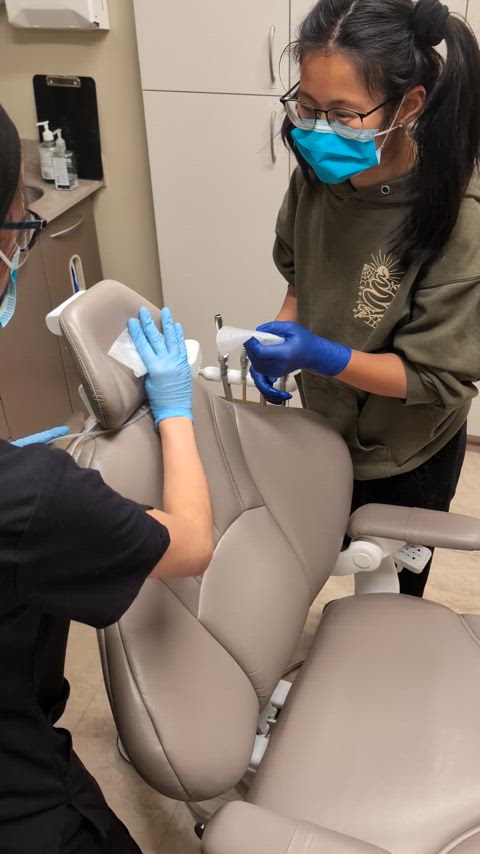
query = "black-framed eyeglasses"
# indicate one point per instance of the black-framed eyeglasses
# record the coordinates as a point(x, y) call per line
point(344, 122)
point(27, 232)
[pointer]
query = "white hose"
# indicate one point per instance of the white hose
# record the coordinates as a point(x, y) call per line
point(212, 375)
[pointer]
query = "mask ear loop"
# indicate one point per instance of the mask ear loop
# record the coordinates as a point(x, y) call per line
point(392, 127)
point(10, 264)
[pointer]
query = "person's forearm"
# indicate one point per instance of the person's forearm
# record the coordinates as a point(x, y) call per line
point(289, 310)
point(185, 488)
point(381, 373)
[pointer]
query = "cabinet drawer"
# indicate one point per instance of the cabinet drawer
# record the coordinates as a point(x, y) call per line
point(70, 235)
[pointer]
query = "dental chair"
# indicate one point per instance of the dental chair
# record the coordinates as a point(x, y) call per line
point(376, 748)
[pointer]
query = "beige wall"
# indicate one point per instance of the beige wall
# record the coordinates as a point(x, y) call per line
point(124, 210)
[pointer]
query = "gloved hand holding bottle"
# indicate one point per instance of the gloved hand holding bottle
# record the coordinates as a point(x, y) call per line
point(301, 350)
point(169, 381)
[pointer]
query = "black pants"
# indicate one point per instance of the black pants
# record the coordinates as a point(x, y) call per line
point(81, 837)
point(431, 486)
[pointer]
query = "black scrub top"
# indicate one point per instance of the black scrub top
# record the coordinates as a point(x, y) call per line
point(70, 549)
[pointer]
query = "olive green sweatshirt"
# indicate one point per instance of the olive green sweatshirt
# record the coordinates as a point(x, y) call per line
point(332, 246)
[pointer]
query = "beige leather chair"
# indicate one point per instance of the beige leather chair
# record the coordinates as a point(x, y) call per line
point(377, 748)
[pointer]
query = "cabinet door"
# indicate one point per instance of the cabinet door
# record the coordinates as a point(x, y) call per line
point(473, 16)
point(33, 387)
point(215, 46)
point(71, 235)
point(217, 194)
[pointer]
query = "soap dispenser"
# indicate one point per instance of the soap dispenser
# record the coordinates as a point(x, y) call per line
point(46, 150)
point(64, 165)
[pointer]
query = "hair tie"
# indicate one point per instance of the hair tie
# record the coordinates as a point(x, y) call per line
point(429, 20)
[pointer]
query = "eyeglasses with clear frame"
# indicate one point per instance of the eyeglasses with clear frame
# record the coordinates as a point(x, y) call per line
point(28, 231)
point(344, 122)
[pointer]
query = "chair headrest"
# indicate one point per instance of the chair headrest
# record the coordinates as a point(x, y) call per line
point(90, 326)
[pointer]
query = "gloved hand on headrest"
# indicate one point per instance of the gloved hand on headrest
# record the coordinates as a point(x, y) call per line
point(168, 383)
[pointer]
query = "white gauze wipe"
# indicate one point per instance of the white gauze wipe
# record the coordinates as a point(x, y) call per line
point(229, 338)
point(123, 350)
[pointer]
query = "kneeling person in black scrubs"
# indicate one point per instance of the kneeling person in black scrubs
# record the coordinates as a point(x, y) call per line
point(73, 549)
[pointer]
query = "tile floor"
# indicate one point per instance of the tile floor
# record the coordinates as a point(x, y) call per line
point(159, 825)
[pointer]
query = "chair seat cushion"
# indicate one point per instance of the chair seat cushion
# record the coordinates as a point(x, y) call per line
point(380, 736)
point(240, 828)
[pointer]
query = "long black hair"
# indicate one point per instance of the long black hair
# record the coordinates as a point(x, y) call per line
point(392, 43)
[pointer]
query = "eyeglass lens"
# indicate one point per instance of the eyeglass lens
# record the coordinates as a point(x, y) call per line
point(343, 122)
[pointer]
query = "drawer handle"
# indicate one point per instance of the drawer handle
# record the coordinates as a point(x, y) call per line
point(270, 55)
point(272, 138)
point(67, 230)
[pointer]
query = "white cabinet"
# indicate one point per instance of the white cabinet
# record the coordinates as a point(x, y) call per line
point(459, 6)
point(217, 191)
point(473, 15)
point(300, 9)
point(214, 46)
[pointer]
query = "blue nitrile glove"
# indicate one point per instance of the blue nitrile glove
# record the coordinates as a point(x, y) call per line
point(41, 438)
point(301, 350)
point(169, 380)
point(265, 387)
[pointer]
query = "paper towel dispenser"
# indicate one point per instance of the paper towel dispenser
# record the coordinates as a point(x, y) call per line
point(59, 14)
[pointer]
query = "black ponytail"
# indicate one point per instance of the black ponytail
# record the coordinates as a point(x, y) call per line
point(392, 45)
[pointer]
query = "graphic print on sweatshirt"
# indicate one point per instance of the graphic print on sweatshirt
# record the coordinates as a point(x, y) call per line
point(379, 283)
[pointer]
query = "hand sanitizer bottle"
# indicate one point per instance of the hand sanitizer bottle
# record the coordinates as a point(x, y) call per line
point(64, 165)
point(46, 150)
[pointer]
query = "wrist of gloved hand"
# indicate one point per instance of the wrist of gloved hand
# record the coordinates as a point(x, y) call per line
point(327, 357)
point(265, 385)
point(42, 438)
point(162, 414)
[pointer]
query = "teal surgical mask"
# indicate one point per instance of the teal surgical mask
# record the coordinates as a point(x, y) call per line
point(8, 301)
point(335, 158)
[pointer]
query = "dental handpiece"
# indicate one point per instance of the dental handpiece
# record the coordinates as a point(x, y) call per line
point(243, 371)
point(223, 362)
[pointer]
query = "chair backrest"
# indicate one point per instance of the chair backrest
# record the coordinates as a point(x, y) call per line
point(193, 661)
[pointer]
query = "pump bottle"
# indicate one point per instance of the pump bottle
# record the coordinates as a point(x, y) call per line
point(64, 165)
point(46, 150)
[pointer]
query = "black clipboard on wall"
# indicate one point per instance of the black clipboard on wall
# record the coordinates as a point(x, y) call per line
point(70, 103)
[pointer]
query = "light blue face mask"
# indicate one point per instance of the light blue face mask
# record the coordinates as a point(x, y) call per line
point(8, 302)
point(336, 158)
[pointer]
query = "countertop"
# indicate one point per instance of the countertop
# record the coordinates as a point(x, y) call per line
point(52, 203)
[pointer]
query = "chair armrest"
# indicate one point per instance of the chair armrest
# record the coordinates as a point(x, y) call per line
point(241, 828)
point(413, 525)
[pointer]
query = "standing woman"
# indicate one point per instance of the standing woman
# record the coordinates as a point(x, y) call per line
point(379, 241)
